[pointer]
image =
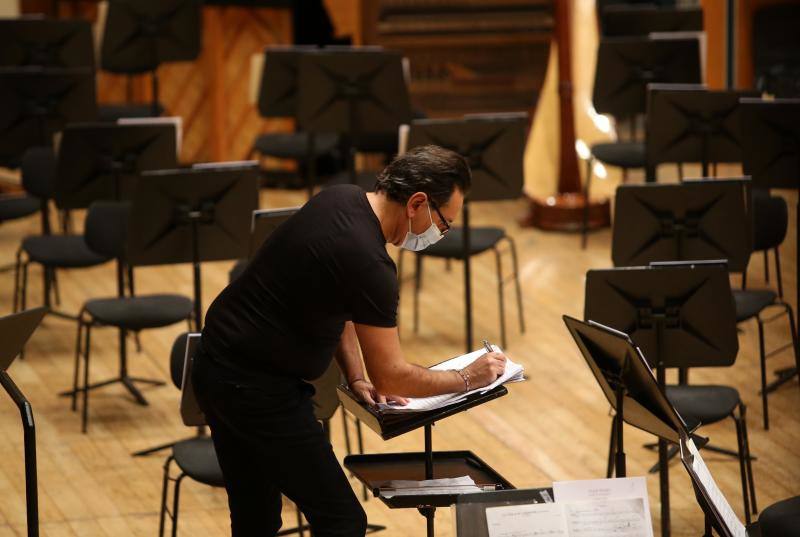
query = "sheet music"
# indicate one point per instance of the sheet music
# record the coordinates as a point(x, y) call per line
point(513, 373)
point(608, 518)
point(533, 520)
point(714, 494)
point(453, 485)
point(606, 490)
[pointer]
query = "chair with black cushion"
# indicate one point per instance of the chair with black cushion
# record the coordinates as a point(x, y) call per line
point(770, 219)
point(51, 251)
point(625, 65)
point(106, 231)
point(781, 519)
point(277, 98)
point(196, 457)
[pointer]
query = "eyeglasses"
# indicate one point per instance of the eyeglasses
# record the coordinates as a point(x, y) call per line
point(442, 218)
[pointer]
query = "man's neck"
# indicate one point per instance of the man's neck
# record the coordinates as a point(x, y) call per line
point(386, 212)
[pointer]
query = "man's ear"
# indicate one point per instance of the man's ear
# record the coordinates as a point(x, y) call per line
point(415, 202)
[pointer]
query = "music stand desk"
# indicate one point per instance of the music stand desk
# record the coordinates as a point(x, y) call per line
point(470, 515)
point(374, 469)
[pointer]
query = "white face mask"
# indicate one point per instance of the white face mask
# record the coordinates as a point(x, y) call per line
point(415, 243)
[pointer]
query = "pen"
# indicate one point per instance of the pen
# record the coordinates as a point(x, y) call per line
point(487, 346)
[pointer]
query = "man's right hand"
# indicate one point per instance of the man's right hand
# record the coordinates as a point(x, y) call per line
point(486, 369)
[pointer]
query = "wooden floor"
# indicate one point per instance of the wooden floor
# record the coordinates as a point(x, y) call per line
point(553, 427)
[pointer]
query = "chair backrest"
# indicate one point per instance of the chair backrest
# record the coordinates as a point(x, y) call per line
point(106, 228)
point(177, 355)
point(770, 220)
point(626, 65)
point(38, 169)
point(776, 49)
point(644, 19)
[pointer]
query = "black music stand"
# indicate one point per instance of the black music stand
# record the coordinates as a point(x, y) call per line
point(38, 102)
point(680, 314)
point(376, 469)
point(140, 35)
point(689, 123)
point(628, 64)
point(626, 19)
point(193, 215)
point(265, 222)
point(682, 222)
point(34, 40)
point(15, 330)
point(771, 140)
point(354, 92)
point(494, 146)
point(102, 161)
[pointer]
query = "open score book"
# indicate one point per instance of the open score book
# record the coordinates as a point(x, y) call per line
point(513, 373)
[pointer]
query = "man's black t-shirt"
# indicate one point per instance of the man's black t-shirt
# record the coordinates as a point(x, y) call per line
point(285, 314)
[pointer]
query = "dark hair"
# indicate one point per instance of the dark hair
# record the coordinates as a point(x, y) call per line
point(431, 169)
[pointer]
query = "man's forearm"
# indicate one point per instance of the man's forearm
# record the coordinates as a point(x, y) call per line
point(348, 356)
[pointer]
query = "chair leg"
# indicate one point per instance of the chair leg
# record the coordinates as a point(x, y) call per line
point(500, 299)
point(612, 446)
point(164, 489)
point(24, 294)
point(763, 362)
point(744, 279)
point(300, 530)
point(624, 175)
point(766, 265)
point(85, 394)
point(17, 276)
point(778, 275)
point(517, 284)
point(680, 171)
point(793, 332)
point(585, 212)
point(742, 464)
point(55, 288)
point(417, 287)
point(176, 496)
point(76, 372)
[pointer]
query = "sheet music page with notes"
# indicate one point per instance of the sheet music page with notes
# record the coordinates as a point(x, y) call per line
point(714, 493)
point(534, 520)
point(591, 508)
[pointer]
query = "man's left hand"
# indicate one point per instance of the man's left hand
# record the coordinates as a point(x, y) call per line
point(366, 392)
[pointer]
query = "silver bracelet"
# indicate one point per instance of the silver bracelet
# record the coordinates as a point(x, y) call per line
point(464, 374)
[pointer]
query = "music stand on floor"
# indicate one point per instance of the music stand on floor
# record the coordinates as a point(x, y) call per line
point(193, 215)
point(353, 92)
point(15, 330)
point(689, 123)
point(140, 35)
point(493, 145)
point(34, 40)
point(39, 102)
point(771, 140)
point(681, 315)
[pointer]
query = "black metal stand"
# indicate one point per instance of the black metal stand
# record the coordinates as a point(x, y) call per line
point(467, 280)
point(29, 428)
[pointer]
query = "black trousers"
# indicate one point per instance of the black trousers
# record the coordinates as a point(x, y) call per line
point(268, 442)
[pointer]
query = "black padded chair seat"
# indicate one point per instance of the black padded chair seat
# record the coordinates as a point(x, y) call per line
point(781, 519)
point(620, 154)
point(197, 459)
point(61, 251)
point(140, 312)
point(293, 145)
point(750, 303)
point(706, 404)
point(452, 246)
point(13, 207)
